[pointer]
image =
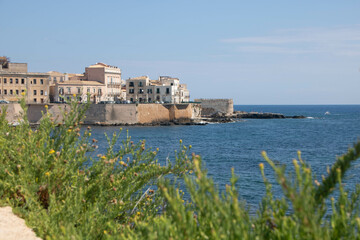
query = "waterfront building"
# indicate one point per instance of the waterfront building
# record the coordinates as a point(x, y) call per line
point(103, 82)
point(164, 90)
point(15, 80)
point(108, 75)
point(64, 91)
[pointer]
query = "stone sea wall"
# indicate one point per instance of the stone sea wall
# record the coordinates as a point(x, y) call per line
point(212, 106)
point(114, 114)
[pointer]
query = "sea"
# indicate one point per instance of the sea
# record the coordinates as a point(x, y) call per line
point(326, 132)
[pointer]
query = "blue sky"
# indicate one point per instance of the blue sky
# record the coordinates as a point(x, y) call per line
point(256, 52)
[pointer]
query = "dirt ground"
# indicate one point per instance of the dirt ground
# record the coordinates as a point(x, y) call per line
point(14, 228)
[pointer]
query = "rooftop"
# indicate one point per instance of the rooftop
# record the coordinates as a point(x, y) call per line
point(79, 82)
point(101, 65)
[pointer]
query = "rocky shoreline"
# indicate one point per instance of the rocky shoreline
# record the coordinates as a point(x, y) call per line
point(238, 115)
point(215, 118)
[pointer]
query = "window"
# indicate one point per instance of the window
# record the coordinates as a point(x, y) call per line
point(34, 100)
point(79, 90)
point(140, 99)
point(35, 92)
point(69, 90)
point(99, 91)
point(88, 90)
point(41, 81)
point(149, 90)
point(4, 80)
point(131, 99)
point(94, 90)
point(11, 80)
point(22, 81)
point(0, 91)
point(5, 92)
point(158, 90)
point(34, 81)
point(167, 90)
point(149, 100)
point(11, 92)
point(171, 84)
point(61, 91)
point(140, 84)
point(23, 90)
point(141, 90)
point(17, 81)
point(54, 78)
point(42, 100)
point(131, 91)
point(17, 92)
point(41, 92)
point(131, 84)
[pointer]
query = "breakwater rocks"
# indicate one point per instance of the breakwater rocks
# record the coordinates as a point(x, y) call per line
point(238, 115)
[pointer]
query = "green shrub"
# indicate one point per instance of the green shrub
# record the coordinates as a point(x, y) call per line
point(48, 176)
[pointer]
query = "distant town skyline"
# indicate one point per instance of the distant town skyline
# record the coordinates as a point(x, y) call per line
point(262, 52)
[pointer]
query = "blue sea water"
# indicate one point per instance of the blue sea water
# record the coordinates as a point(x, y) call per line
point(320, 137)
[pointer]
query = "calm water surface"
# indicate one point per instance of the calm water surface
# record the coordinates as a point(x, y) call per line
point(238, 145)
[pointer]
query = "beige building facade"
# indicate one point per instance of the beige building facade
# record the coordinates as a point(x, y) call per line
point(103, 82)
point(108, 75)
point(164, 90)
point(67, 90)
point(15, 80)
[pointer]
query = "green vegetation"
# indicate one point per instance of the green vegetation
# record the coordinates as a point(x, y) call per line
point(49, 178)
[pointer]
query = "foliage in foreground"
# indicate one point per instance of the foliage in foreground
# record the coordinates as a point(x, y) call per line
point(49, 177)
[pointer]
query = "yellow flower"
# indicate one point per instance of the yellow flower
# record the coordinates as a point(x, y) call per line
point(103, 157)
point(105, 232)
point(51, 151)
point(122, 163)
point(74, 95)
point(180, 141)
point(47, 173)
point(261, 165)
point(190, 146)
point(46, 106)
point(69, 130)
point(23, 94)
point(89, 134)
point(138, 213)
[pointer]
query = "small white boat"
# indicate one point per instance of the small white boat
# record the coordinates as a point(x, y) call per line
point(327, 113)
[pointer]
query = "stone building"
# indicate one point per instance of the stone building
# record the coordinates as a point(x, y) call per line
point(164, 90)
point(64, 91)
point(15, 79)
point(103, 82)
point(108, 75)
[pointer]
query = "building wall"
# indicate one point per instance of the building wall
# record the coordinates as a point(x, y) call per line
point(211, 106)
point(137, 89)
point(38, 89)
point(80, 89)
point(110, 76)
point(36, 86)
point(16, 67)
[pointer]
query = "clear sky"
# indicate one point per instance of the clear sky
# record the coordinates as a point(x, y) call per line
point(256, 52)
